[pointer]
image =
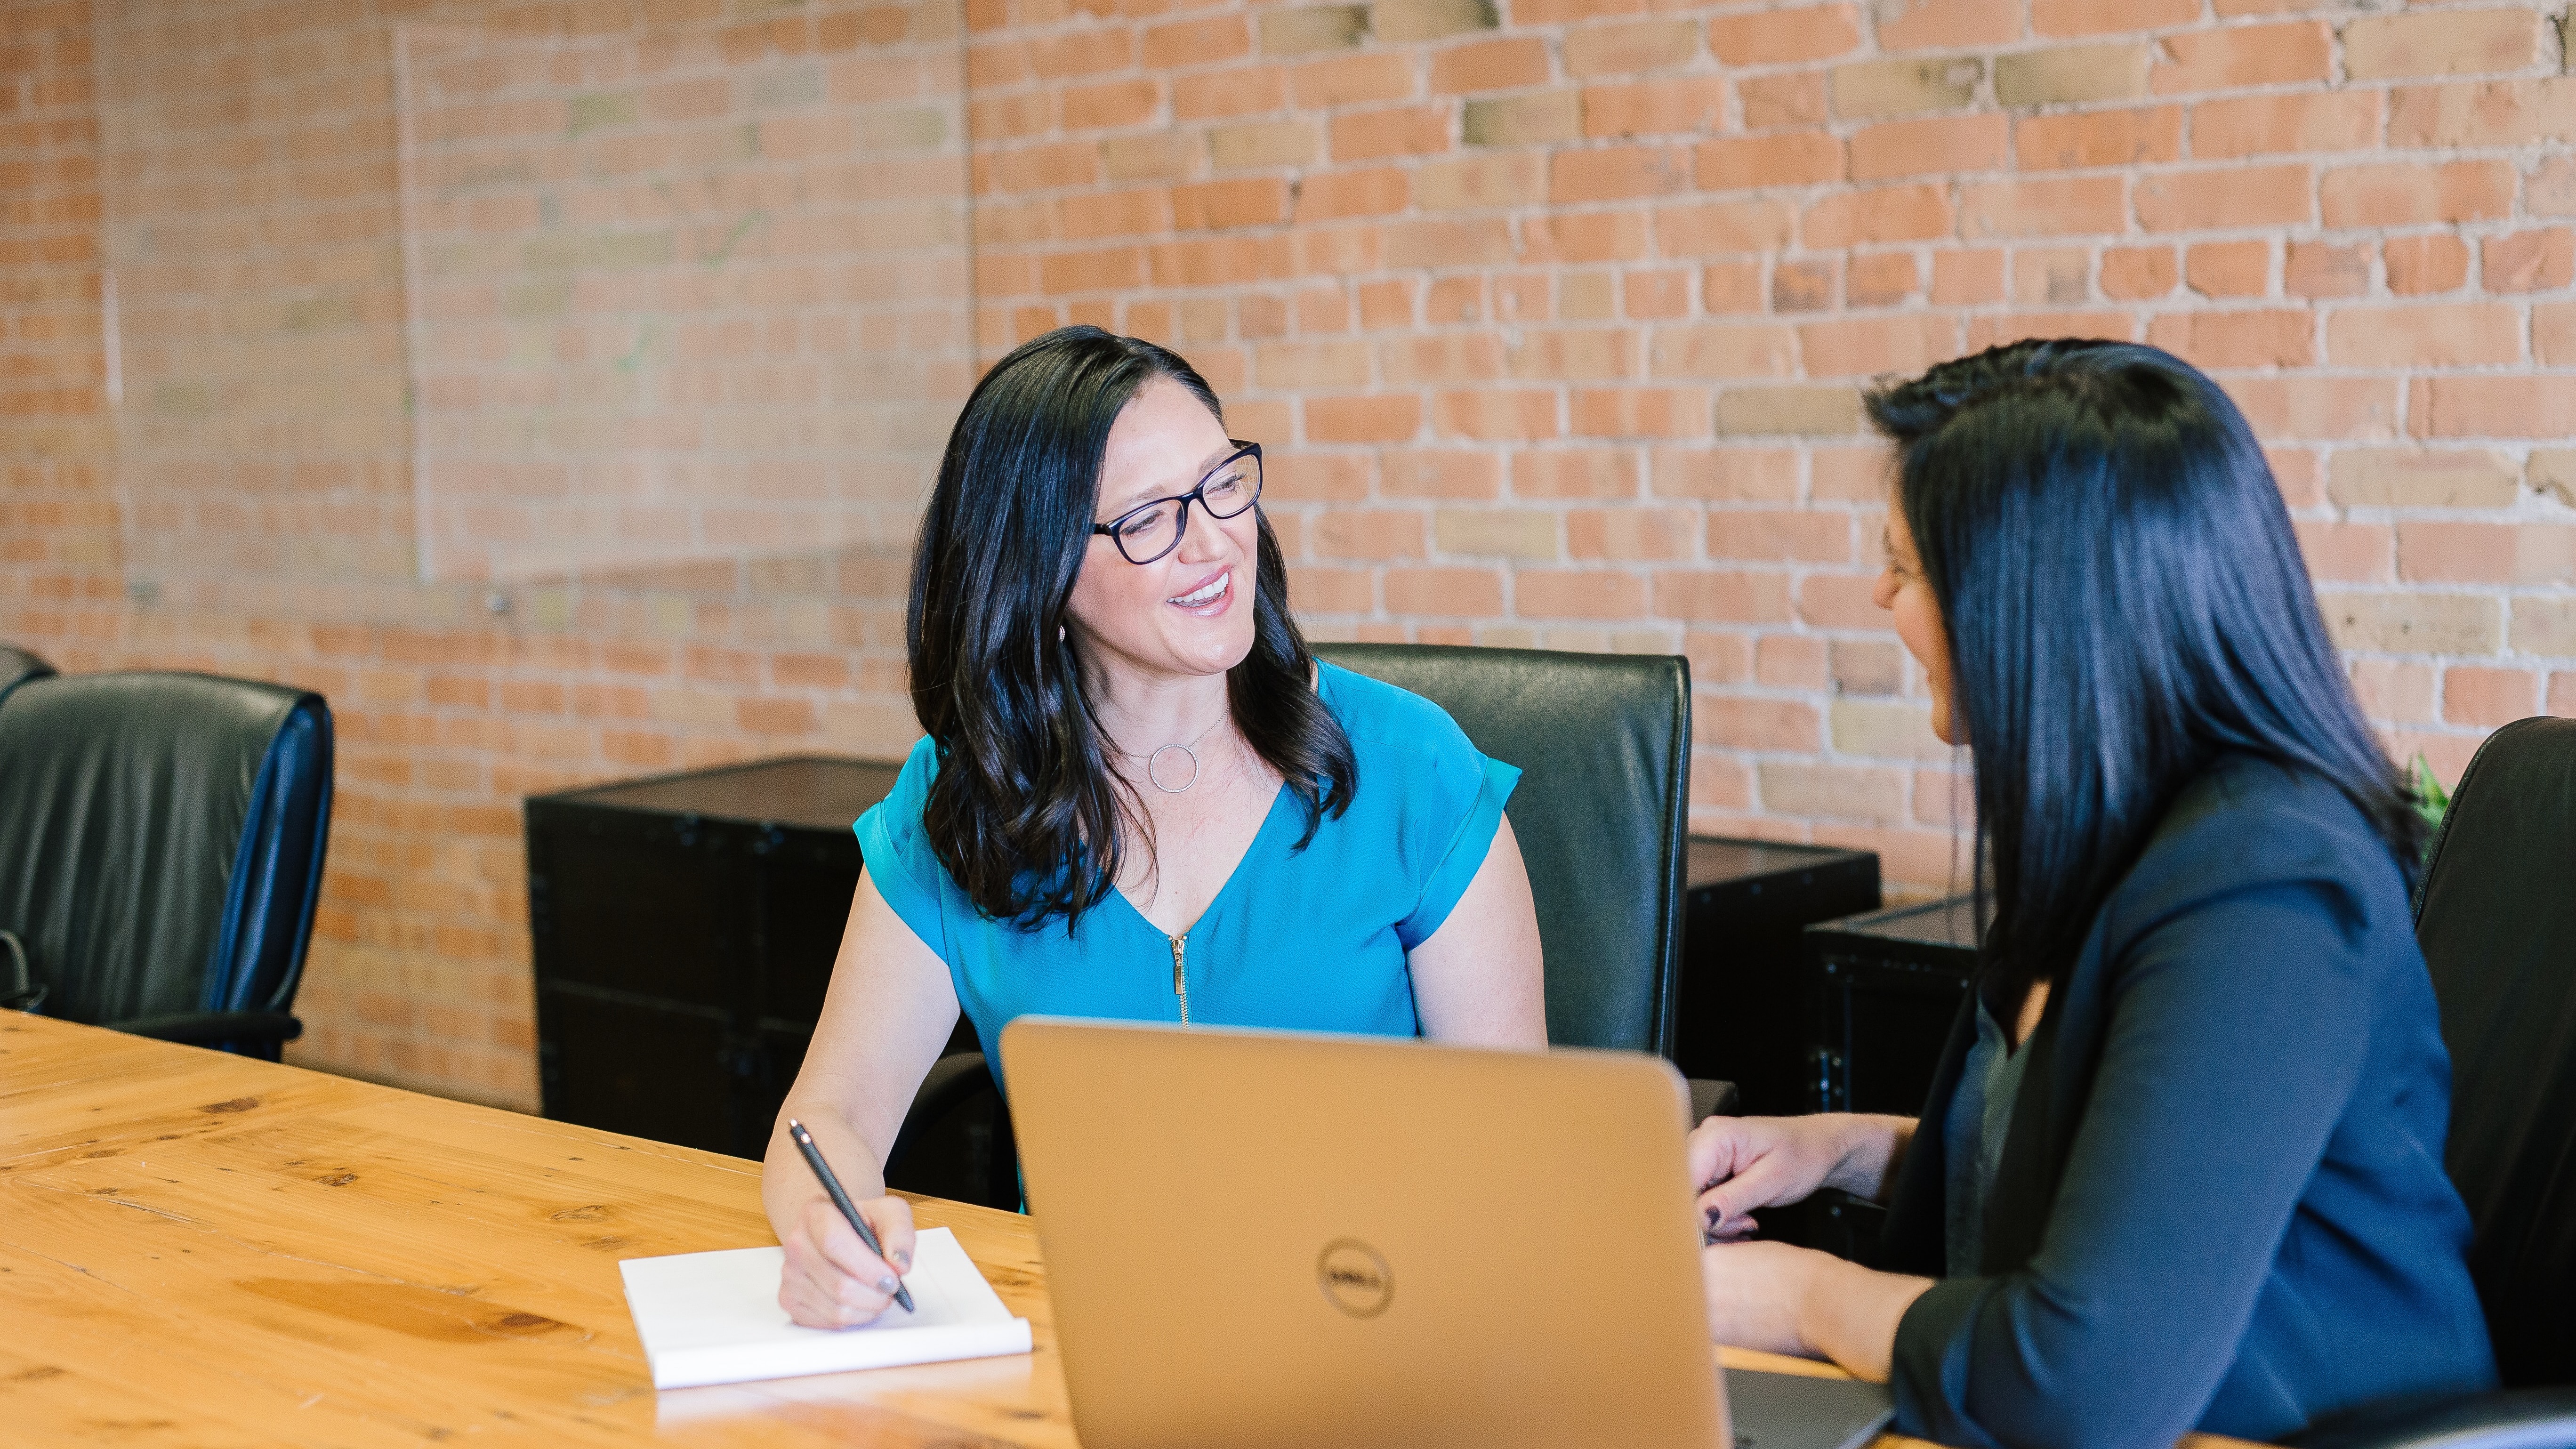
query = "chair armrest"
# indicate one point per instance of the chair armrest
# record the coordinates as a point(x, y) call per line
point(207, 1028)
point(2514, 1419)
point(1712, 1099)
point(951, 1082)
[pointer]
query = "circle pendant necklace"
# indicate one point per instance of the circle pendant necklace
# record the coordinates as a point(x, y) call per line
point(1155, 767)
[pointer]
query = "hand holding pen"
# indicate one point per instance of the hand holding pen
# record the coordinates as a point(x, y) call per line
point(842, 1268)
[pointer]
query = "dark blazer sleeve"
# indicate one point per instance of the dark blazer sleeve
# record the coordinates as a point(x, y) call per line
point(2232, 1039)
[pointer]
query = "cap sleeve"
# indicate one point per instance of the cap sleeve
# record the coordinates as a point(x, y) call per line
point(899, 859)
point(1472, 814)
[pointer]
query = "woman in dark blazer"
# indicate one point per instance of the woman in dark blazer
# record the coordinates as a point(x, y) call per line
point(2181, 1165)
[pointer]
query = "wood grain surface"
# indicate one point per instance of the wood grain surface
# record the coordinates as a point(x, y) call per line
point(199, 1249)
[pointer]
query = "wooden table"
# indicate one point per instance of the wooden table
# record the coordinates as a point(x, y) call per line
point(206, 1250)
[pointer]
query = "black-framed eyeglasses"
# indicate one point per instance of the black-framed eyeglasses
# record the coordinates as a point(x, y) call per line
point(1148, 531)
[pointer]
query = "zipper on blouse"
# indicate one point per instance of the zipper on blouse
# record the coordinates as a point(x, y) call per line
point(1181, 982)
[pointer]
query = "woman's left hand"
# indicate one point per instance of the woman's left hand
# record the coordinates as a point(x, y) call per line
point(1755, 1291)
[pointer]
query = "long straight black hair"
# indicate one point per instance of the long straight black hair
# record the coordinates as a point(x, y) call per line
point(1025, 812)
point(2125, 602)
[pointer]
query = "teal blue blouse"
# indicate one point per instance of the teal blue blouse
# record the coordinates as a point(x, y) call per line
point(1314, 939)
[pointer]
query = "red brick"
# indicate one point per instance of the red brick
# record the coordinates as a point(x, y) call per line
point(1724, 350)
point(1379, 419)
point(1795, 98)
point(2229, 269)
point(1331, 195)
point(2491, 407)
point(1784, 37)
point(1948, 24)
point(2489, 697)
point(1721, 227)
point(2098, 138)
point(2060, 18)
point(2483, 114)
point(1117, 103)
point(1392, 131)
point(2238, 339)
point(2352, 553)
point(1736, 597)
point(1617, 173)
point(2400, 194)
point(1762, 535)
point(1495, 413)
point(2138, 273)
point(1967, 278)
point(1938, 145)
point(1789, 158)
point(1489, 65)
point(1756, 724)
point(1196, 42)
point(2046, 207)
point(2326, 269)
point(1881, 214)
point(2528, 261)
point(1640, 413)
point(1217, 205)
point(2251, 55)
point(1624, 48)
point(1806, 285)
point(1431, 473)
point(2486, 553)
point(1870, 346)
point(1445, 592)
point(2466, 335)
point(2251, 196)
point(2447, 42)
point(2260, 125)
point(1577, 594)
point(1677, 106)
point(1882, 279)
point(2421, 264)
point(1631, 535)
point(1585, 236)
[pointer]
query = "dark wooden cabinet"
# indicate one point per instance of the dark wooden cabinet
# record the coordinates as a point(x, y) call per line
point(1886, 986)
point(1890, 984)
point(684, 931)
point(1748, 1000)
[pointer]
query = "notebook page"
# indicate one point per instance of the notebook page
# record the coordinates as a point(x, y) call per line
point(713, 1318)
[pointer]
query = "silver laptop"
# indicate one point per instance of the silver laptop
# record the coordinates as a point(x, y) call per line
point(1280, 1239)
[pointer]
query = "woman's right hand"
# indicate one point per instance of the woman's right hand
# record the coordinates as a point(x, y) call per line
point(1744, 1163)
point(831, 1279)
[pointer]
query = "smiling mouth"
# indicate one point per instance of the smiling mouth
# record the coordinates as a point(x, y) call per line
point(1213, 591)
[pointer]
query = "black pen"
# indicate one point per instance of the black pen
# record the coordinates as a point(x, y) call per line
point(841, 1200)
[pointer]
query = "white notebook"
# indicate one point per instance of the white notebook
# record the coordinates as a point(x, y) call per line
point(713, 1318)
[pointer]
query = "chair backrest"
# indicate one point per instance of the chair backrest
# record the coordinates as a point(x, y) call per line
point(17, 666)
point(1601, 813)
point(2496, 915)
point(161, 840)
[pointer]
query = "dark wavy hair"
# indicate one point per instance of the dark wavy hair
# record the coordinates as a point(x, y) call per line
point(1025, 812)
point(2125, 602)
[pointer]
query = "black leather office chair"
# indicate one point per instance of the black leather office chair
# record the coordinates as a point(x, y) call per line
point(2496, 914)
point(17, 666)
point(161, 843)
point(1601, 813)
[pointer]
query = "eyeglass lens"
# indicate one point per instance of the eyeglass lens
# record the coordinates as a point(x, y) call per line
point(1149, 533)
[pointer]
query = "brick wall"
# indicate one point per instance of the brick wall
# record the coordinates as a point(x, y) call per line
point(1552, 315)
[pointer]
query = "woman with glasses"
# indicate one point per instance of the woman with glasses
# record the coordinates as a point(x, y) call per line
point(1139, 797)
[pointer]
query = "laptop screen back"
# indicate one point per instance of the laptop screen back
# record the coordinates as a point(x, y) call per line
point(1280, 1239)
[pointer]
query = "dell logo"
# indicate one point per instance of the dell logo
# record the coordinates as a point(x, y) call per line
point(1355, 1278)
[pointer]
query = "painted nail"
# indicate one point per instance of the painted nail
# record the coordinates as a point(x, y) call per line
point(886, 1284)
point(903, 1260)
